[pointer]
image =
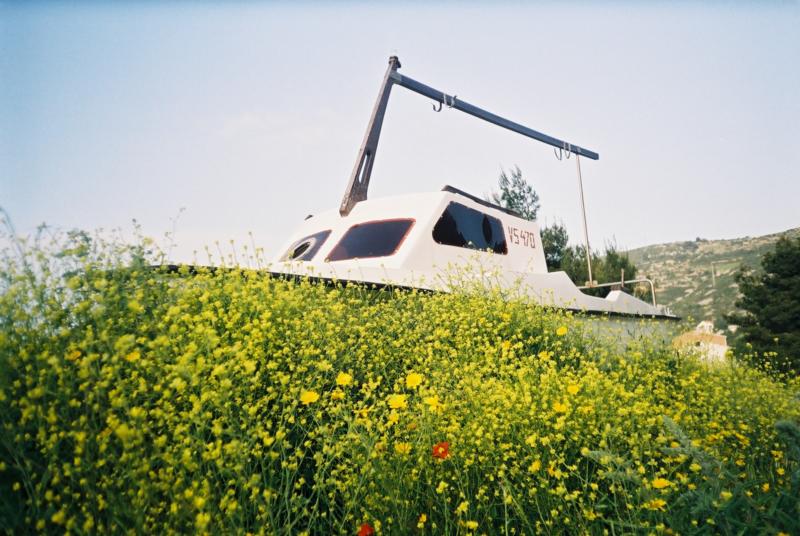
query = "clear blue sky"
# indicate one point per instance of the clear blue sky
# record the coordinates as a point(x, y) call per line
point(250, 114)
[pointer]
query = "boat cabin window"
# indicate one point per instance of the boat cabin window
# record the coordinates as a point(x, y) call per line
point(305, 248)
point(371, 239)
point(465, 227)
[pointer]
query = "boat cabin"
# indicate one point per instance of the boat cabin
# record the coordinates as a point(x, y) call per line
point(416, 232)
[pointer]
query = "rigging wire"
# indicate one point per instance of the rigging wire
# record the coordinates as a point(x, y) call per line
point(560, 155)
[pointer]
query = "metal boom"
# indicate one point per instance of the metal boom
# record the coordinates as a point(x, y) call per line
point(359, 179)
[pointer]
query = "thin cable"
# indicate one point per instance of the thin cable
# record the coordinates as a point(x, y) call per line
point(585, 227)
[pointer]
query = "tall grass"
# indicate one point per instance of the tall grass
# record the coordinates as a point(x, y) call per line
point(140, 400)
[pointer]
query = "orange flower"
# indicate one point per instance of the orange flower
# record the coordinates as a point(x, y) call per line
point(441, 450)
point(366, 530)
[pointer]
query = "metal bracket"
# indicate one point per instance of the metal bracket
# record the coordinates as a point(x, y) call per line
point(359, 180)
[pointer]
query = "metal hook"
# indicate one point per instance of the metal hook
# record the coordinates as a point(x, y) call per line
point(447, 100)
point(559, 153)
point(568, 149)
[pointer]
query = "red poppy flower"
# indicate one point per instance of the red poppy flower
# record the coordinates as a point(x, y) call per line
point(366, 530)
point(441, 450)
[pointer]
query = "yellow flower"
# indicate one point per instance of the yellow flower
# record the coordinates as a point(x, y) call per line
point(202, 520)
point(344, 379)
point(433, 402)
point(324, 365)
point(656, 504)
point(59, 517)
point(661, 483)
point(421, 522)
point(765, 487)
point(397, 401)
point(402, 448)
point(573, 389)
point(472, 525)
point(337, 394)
point(124, 432)
point(462, 508)
point(695, 467)
point(561, 331)
point(725, 495)
point(535, 466)
point(559, 407)
point(308, 397)
point(413, 380)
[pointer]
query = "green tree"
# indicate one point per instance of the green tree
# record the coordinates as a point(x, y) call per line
point(516, 194)
point(554, 243)
point(605, 269)
point(614, 264)
point(574, 263)
point(769, 320)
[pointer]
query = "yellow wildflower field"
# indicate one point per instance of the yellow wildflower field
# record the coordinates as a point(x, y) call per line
point(226, 401)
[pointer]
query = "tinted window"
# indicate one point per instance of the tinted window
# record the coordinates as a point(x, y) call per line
point(305, 248)
point(373, 239)
point(466, 227)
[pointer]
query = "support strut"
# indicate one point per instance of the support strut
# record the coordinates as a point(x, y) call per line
point(359, 179)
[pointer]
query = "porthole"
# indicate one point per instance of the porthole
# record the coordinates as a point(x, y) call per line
point(300, 249)
point(305, 248)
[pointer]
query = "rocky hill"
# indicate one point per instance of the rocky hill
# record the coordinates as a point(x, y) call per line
point(695, 278)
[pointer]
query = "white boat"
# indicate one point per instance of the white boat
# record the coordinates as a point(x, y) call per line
point(442, 240)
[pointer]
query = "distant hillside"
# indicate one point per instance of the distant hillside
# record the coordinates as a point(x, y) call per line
point(682, 271)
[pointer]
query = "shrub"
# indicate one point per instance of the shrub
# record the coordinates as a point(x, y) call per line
point(156, 401)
